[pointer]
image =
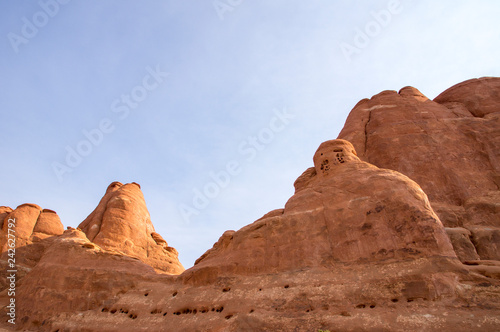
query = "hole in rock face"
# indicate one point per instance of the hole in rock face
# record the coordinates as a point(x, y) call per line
point(366, 226)
point(372, 306)
point(220, 309)
point(394, 300)
point(251, 310)
point(104, 310)
point(409, 300)
point(228, 316)
point(227, 289)
point(146, 294)
point(113, 311)
point(164, 314)
point(133, 316)
point(325, 166)
point(360, 306)
point(260, 289)
point(286, 286)
point(174, 294)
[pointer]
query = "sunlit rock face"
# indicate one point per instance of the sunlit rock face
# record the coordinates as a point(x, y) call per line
point(121, 223)
point(29, 223)
point(450, 146)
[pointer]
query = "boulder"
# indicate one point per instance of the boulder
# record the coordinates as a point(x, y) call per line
point(487, 241)
point(461, 240)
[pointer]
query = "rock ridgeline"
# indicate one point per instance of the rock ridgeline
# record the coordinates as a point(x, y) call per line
point(395, 227)
point(450, 146)
point(344, 211)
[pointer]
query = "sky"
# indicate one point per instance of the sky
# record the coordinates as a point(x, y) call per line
point(213, 107)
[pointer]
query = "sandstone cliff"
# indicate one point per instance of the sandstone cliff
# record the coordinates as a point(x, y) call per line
point(449, 146)
point(397, 231)
point(344, 211)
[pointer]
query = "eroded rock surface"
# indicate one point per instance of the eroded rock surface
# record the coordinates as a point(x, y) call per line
point(31, 224)
point(450, 146)
point(347, 211)
point(121, 222)
point(358, 247)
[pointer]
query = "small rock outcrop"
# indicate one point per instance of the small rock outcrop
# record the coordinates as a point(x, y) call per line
point(32, 223)
point(121, 223)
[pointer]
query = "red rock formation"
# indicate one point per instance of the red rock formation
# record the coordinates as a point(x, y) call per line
point(356, 248)
point(75, 275)
point(346, 211)
point(449, 146)
point(121, 223)
point(31, 224)
point(461, 240)
point(480, 97)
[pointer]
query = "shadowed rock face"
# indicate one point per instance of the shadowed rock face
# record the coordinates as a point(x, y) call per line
point(121, 223)
point(346, 211)
point(450, 146)
point(356, 248)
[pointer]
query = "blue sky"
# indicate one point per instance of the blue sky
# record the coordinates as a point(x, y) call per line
point(174, 94)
